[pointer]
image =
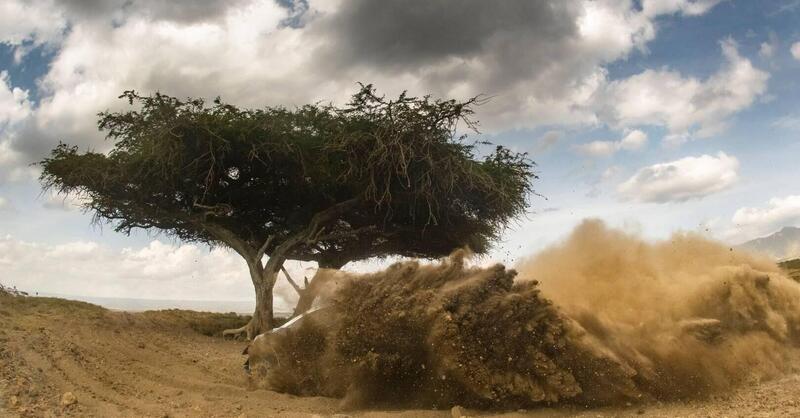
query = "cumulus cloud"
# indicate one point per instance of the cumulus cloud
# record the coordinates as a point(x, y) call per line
point(681, 180)
point(795, 49)
point(541, 60)
point(768, 48)
point(62, 202)
point(156, 271)
point(689, 7)
point(632, 141)
point(687, 106)
point(15, 110)
point(14, 103)
point(32, 22)
point(5, 204)
point(759, 221)
point(544, 61)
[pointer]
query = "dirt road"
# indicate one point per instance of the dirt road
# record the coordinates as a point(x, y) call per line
point(63, 358)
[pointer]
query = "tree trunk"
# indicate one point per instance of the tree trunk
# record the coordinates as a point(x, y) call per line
point(262, 316)
point(264, 277)
point(263, 282)
point(311, 291)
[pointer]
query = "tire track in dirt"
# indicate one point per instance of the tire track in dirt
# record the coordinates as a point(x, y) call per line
point(48, 347)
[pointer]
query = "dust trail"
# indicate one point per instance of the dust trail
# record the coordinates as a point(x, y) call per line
point(687, 314)
point(602, 318)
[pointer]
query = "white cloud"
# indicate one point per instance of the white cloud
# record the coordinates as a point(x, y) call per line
point(795, 49)
point(243, 55)
point(681, 180)
point(687, 106)
point(62, 202)
point(36, 22)
point(15, 110)
point(13, 164)
point(156, 271)
point(689, 7)
point(14, 103)
point(632, 141)
point(548, 73)
point(5, 204)
point(598, 148)
point(759, 221)
point(767, 50)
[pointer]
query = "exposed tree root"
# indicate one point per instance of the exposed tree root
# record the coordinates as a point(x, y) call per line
point(247, 329)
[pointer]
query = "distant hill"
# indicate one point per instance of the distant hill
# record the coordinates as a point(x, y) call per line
point(781, 245)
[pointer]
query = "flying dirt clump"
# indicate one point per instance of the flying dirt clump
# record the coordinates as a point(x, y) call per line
point(623, 320)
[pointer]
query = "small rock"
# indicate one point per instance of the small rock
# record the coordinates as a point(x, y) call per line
point(457, 412)
point(640, 411)
point(140, 345)
point(13, 401)
point(68, 399)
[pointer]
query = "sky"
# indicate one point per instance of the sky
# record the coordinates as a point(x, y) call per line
point(655, 116)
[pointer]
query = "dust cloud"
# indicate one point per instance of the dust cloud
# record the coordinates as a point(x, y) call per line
point(602, 318)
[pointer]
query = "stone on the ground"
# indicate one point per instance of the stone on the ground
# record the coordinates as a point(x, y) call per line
point(68, 398)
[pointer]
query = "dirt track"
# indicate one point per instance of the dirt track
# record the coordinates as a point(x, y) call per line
point(154, 364)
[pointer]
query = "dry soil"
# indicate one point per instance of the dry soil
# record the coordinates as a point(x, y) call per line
point(64, 358)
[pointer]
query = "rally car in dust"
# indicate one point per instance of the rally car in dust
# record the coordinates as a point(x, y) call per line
point(262, 348)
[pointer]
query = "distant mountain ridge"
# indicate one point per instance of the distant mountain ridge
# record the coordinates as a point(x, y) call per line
point(782, 245)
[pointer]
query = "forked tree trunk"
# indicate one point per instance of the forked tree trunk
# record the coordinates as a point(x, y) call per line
point(263, 283)
point(265, 276)
point(262, 316)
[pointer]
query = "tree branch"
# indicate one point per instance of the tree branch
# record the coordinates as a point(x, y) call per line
point(323, 217)
point(340, 234)
point(318, 221)
point(263, 248)
point(228, 237)
point(291, 282)
point(220, 209)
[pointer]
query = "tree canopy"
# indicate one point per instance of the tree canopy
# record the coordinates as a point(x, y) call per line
point(374, 177)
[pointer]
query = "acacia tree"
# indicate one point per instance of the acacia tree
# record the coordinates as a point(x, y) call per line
point(317, 183)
